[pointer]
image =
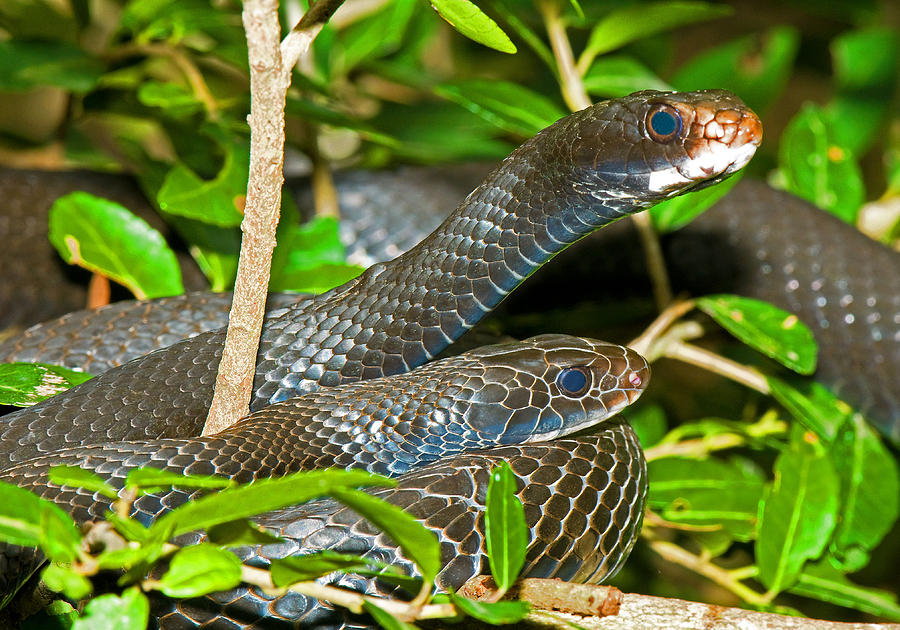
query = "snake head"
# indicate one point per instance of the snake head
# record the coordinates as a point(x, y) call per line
point(652, 145)
point(551, 385)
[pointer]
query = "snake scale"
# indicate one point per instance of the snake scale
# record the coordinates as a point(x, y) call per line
point(583, 172)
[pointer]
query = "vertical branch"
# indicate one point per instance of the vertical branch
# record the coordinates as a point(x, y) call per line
point(271, 62)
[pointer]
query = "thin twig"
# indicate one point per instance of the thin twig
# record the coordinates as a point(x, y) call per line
point(572, 87)
point(656, 262)
point(664, 320)
point(713, 362)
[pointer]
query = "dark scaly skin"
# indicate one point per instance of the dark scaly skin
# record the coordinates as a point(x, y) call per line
point(564, 183)
point(583, 502)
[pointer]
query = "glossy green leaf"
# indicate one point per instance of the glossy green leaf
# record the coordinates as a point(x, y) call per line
point(616, 76)
point(822, 581)
point(385, 619)
point(25, 384)
point(766, 328)
point(151, 479)
point(812, 405)
point(495, 613)
point(106, 238)
point(418, 543)
point(309, 258)
point(57, 615)
point(756, 67)
point(625, 25)
point(870, 492)
point(677, 212)
point(62, 579)
point(77, 477)
point(706, 492)
point(215, 249)
point(25, 65)
point(287, 571)
point(26, 520)
point(131, 611)
point(240, 532)
point(219, 201)
point(200, 569)
point(865, 71)
point(376, 36)
point(798, 512)
point(649, 423)
point(814, 166)
point(506, 534)
point(315, 279)
point(262, 496)
point(472, 22)
point(509, 106)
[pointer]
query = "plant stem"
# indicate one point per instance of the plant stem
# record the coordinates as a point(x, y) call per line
point(663, 321)
point(713, 362)
point(656, 262)
point(570, 81)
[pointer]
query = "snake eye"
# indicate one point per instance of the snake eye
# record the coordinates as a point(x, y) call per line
point(663, 123)
point(574, 381)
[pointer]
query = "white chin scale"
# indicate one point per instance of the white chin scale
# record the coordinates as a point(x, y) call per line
point(717, 160)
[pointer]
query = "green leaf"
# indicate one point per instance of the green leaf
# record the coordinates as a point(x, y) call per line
point(506, 533)
point(316, 279)
point(822, 581)
point(509, 106)
point(131, 611)
point(469, 20)
point(262, 496)
point(495, 613)
point(63, 579)
point(77, 477)
point(128, 527)
point(625, 25)
point(219, 201)
point(766, 328)
point(648, 422)
point(757, 67)
point(617, 76)
point(25, 384)
point(418, 543)
point(57, 615)
point(25, 65)
point(798, 512)
point(287, 571)
point(309, 258)
point(378, 35)
point(870, 493)
point(677, 212)
point(129, 557)
point(25, 520)
point(812, 405)
point(151, 479)
point(814, 166)
point(706, 492)
point(200, 569)
point(385, 619)
point(172, 98)
point(106, 238)
point(240, 532)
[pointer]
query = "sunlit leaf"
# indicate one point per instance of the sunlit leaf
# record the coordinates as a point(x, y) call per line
point(678, 211)
point(385, 619)
point(287, 571)
point(510, 106)
point(812, 405)
point(77, 477)
point(240, 532)
point(154, 480)
point(469, 20)
point(131, 611)
point(495, 613)
point(619, 75)
point(28, 520)
point(506, 534)
point(25, 384)
point(200, 569)
point(820, 580)
point(63, 579)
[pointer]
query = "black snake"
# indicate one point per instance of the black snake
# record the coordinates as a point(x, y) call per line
point(578, 175)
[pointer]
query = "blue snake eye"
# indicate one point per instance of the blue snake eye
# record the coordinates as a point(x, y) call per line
point(573, 381)
point(663, 123)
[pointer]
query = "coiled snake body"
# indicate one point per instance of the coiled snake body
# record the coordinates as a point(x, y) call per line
point(583, 172)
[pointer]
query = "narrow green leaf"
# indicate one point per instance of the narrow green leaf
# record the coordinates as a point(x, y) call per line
point(63, 579)
point(129, 557)
point(814, 166)
point(418, 543)
point(678, 211)
point(625, 25)
point(261, 496)
point(128, 527)
point(151, 479)
point(612, 77)
point(25, 514)
point(798, 512)
point(25, 65)
point(131, 611)
point(506, 533)
point(106, 238)
point(385, 619)
point(77, 477)
point(507, 105)
point(870, 491)
point(240, 532)
point(378, 35)
point(200, 569)
point(766, 328)
point(315, 279)
point(469, 20)
point(390, 575)
point(495, 613)
point(822, 581)
point(812, 405)
point(287, 571)
point(706, 492)
point(26, 384)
